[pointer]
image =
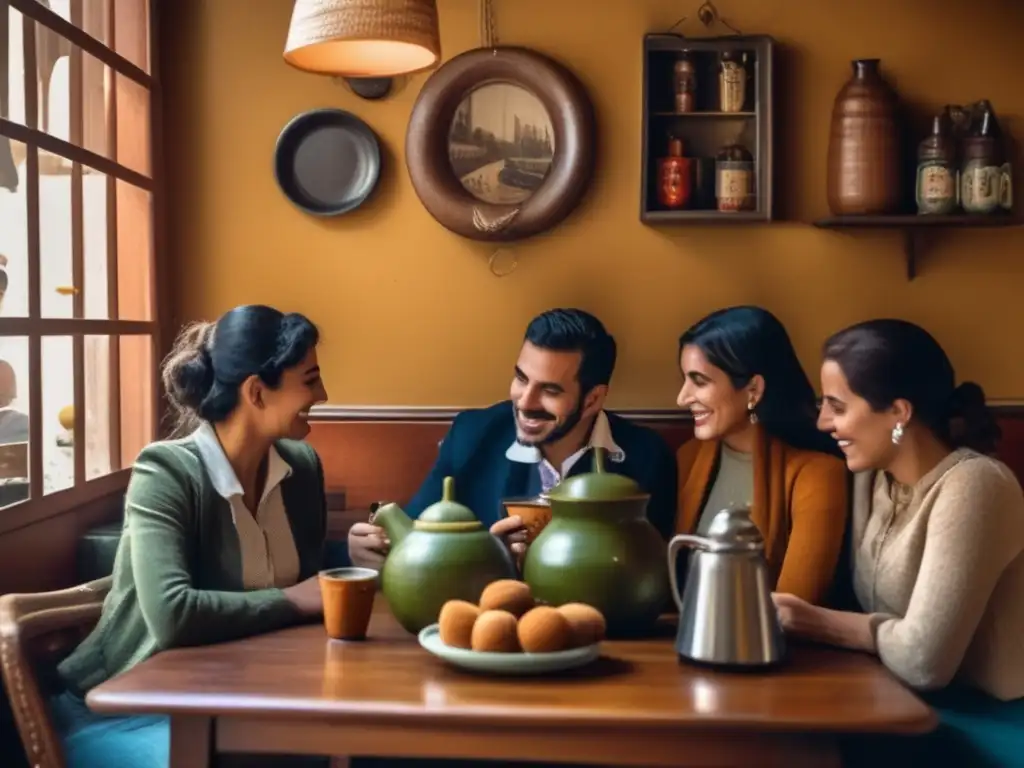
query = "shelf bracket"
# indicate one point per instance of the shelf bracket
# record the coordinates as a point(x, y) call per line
point(910, 245)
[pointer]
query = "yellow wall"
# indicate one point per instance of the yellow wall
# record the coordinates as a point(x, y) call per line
point(410, 313)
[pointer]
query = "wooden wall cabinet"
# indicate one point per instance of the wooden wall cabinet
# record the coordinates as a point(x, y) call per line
point(706, 128)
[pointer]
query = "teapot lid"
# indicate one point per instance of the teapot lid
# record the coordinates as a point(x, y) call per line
point(599, 485)
point(732, 528)
point(448, 514)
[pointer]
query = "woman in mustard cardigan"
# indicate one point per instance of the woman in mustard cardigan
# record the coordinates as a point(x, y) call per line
point(756, 444)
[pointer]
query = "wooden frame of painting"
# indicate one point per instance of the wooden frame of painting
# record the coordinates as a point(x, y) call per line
point(500, 144)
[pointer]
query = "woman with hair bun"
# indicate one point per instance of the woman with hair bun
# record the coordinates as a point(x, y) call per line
point(937, 535)
point(224, 525)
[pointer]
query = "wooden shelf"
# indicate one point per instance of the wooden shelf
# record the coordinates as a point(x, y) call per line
point(913, 226)
point(700, 216)
point(719, 115)
point(706, 130)
point(918, 221)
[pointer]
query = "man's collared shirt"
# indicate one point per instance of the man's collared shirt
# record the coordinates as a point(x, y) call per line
point(266, 544)
point(600, 437)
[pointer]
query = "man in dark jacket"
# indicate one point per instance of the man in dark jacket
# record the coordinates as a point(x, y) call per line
point(545, 432)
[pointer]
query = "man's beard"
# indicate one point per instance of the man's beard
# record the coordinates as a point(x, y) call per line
point(558, 433)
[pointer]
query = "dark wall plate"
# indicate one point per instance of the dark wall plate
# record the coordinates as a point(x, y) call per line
point(327, 161)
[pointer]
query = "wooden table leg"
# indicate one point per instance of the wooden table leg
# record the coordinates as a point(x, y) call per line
point(191, 742)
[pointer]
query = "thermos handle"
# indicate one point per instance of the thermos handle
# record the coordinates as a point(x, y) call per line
point(677, 543)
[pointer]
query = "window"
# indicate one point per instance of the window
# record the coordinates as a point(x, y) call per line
point(78, 315)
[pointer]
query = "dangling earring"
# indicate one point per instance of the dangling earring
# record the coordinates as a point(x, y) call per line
point(897, 433)
point(750, 408)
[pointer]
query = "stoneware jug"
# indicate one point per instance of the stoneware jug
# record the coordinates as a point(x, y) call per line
point(726, 613)
point(864, 145)
point(600, 549)
point(445, 554)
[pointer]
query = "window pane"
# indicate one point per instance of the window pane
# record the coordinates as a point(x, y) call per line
point(119, 381)
point(58, 413)
point(61, 7)
point(94, 105)
point(56, 102)
point(55, 276)
point(12, 105)
point(136, 391)
point(90, 16)
point(14, 251)
point(94, 18)
point(94, 236)
point(134, 252)
point(12, 100)
point(133, 146)
point(53, 82)
point(132, 31)
point(14, 429)
point(13, 205)
point(101, 418)
point(53, 75)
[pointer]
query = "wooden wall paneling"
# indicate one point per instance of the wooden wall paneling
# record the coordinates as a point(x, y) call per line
point(384, 454)
point(41, 556)
point(376, 461)
point(1011, 444)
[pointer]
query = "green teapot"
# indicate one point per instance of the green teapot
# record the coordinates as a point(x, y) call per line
point(601, 549)
point(445, 554)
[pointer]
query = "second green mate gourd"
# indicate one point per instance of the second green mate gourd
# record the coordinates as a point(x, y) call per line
point(601, 549)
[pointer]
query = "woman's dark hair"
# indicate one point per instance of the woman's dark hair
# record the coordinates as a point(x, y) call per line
point(209, 361)
point(749, 341)
point(888, 360)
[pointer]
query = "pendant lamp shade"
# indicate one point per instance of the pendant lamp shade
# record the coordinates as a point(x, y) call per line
point(363, 38)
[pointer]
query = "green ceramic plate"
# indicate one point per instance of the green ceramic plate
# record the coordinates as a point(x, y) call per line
point(507, 663)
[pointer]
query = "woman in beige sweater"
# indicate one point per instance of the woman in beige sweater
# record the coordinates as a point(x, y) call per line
point(937, 544)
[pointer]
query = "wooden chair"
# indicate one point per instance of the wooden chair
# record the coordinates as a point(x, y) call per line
point(36, 632)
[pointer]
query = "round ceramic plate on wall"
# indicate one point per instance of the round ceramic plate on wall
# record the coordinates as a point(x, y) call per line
point(327, 161)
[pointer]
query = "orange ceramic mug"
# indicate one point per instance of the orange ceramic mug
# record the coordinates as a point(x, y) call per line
point(348, 601)
point(534, 511)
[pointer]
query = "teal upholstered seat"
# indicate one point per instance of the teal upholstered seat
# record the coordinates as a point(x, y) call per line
point(96, 551)
point(975, 731)
point(984, 731)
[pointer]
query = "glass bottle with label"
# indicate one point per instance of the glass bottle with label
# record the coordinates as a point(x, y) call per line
point(990, 127)
point(674, 177)
point(684, 80)
point(936, 189)
point(732, 81)
point(981, 177)
point(734, 179)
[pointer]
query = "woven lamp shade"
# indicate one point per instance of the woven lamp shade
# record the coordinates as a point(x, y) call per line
point(363, 38)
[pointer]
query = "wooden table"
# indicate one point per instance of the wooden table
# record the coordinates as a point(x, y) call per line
point(296, 692)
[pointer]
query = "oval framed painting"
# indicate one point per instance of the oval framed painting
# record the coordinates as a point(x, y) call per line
point(500, 144)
